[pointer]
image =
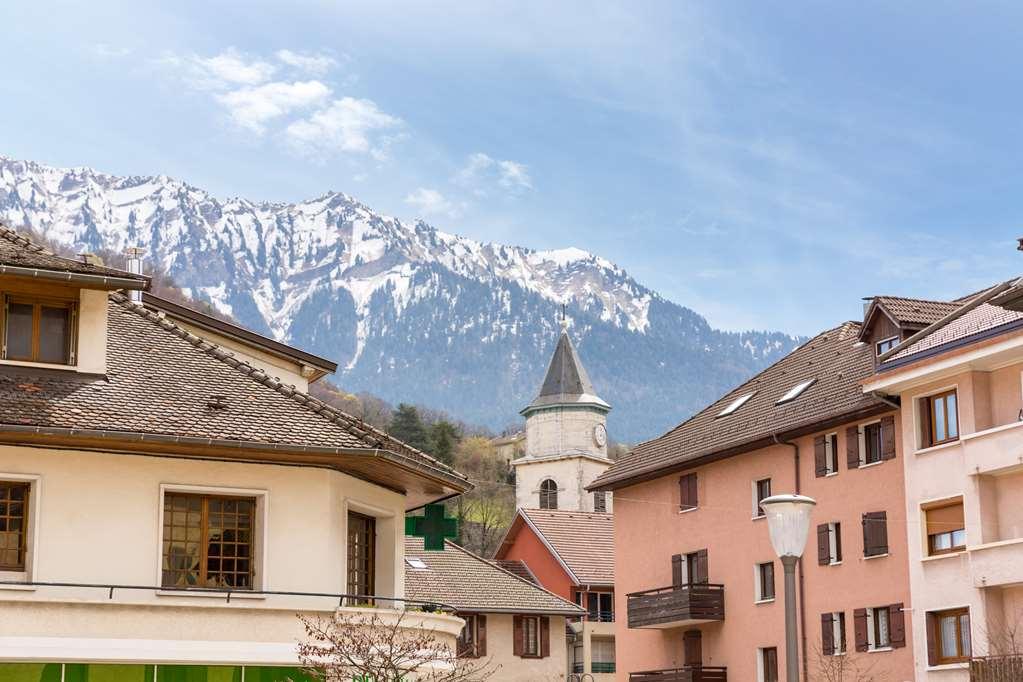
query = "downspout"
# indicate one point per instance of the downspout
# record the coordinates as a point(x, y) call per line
point(802, 591)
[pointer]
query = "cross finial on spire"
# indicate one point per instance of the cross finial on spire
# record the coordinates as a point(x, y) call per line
point(564, 317)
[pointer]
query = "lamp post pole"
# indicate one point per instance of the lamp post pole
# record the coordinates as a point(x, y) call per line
point(791, 651)
point(788, 521)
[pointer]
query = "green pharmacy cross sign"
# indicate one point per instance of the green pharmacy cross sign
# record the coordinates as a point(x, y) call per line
point(433, 527)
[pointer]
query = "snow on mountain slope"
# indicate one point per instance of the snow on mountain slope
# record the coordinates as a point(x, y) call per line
point(410, 312)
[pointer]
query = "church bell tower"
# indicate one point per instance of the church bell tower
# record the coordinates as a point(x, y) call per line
point(566, 438)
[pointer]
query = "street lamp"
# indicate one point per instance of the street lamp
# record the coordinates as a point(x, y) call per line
point(788, 521)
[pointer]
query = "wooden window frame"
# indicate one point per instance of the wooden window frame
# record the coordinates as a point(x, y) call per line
point(875, 627)
point(881, 342)
point(546, 495)
point(26, 501)
point(935, 632)
point(758, 511)
point(763, 583)
point(204, 541)
point(768, 664)
point(953, 549)
point(931, 400)
point(526, 653)
point(37, 303)
point(369, 575)
point(865, 458)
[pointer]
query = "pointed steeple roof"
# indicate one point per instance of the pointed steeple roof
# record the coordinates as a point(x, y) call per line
point(567, 382)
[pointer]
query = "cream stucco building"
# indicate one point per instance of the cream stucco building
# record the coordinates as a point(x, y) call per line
point(171, 497)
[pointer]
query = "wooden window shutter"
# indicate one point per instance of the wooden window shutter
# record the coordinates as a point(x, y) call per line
point(924, 409)
point(888, 437)
point(897, 625)
point(860, 629)
point(823, 544)
point(481, 635)
point(875, 533)
point(932, 639)
point(687, 491)
point(517, 647)
point(677, 579)
point(693, 497)
point(545, 636)
point(692, 647)
point(827, 634)
point(702, 571)
point(852, 447)
point(820, 456)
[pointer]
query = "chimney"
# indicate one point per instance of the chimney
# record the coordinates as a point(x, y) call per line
point(90, 259)
point(1019, 243)
point(134, 255)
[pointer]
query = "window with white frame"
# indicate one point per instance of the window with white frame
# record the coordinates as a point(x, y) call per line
point(831, 453)
point(879, 634)
point(767, 664)
point(833, 633)
point(761, 491)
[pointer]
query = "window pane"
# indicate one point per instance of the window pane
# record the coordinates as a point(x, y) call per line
point(939, 419)
point(947, 627)
point(19, 331)
point(182, 549)
point(882, 626)
point(54, 334)
point(959, 538)
point(941, 541)
point(953, 422)
point(30, 672)
point(964, 634)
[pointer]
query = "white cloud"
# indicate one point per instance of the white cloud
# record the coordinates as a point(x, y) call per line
point(230, 68)
point(252, 108)
point(348, 125)
point(481, 172)
point(314, 64)
point(430, 202)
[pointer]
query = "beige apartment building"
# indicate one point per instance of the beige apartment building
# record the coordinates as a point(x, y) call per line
point(171, 497)
point(959, 383)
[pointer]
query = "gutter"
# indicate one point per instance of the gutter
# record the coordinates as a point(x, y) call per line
point(108, 281)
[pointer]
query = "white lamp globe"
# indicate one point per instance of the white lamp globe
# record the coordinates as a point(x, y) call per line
point(788, 521)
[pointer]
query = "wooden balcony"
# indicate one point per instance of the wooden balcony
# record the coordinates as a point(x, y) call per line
point(677, 606)
point(690, 673)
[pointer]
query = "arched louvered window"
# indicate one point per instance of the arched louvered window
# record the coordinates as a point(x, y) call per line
point(548, 494)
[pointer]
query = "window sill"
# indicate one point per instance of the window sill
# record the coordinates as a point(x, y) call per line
point(216, 595)
point(19, 588)
point(937, 448)
point(867, 465)
point(764, 601)
point(880, 649)
point(686, 511)
point(760, 518)
point(830, 474)
point(876, 556)
point(964, 665)
point(40, 365)
point(946, 555)
point(834, 563)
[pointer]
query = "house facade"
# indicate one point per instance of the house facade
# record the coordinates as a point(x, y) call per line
point(959, 383)
point(171, 497)
point(704, 601)
point(514, 628)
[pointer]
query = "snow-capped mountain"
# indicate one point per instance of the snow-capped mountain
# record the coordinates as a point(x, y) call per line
point(411, 313)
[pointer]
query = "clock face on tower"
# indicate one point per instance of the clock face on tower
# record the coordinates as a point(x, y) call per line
point(600, 435)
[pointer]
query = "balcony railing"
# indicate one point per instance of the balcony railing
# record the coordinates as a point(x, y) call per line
point(602, 667)
point(689, 673)
point(997, 669)
point(600, 616)
point(677, 606)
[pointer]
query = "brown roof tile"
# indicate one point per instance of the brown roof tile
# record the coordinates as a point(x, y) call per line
point(160, 380)
point(983, 320)
point(519, 568)
point(584, 541)
point(18, 251)
point(459, 578)
point(835, 360)
point(915, 311)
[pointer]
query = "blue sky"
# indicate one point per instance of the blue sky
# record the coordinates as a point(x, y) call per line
point(766, 164)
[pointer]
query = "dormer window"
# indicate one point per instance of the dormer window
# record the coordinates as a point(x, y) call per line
point(885, 345)
point(736, 404)
point(795, 391)
point(38, 330)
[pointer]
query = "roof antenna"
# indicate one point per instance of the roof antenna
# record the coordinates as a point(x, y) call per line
point(1019, 246)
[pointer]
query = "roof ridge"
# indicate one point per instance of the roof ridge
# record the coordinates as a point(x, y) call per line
point(14, 237)
point(371, 436)
point(920, 300)
point(506, 571)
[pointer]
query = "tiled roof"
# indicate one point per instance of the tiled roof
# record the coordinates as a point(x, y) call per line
point(161, 379)
point(18, 251)
point(584, 541)
point(459, 578)
point(519, 568)
point(836, 362)
point(915, 311)
point(983, 320)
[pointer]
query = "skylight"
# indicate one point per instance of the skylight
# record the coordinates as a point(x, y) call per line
point(736, 404)
point(796, 391)
point(415, 562)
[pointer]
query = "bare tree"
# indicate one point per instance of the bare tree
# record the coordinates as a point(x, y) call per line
point(1005, 634)
point(366, 648)
point(485, 512)
point(846, 667)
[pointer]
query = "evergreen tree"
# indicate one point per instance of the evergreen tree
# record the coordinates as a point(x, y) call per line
point(407, 426)
point(444, 436)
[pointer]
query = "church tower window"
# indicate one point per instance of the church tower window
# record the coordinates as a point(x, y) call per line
point(548, 494)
